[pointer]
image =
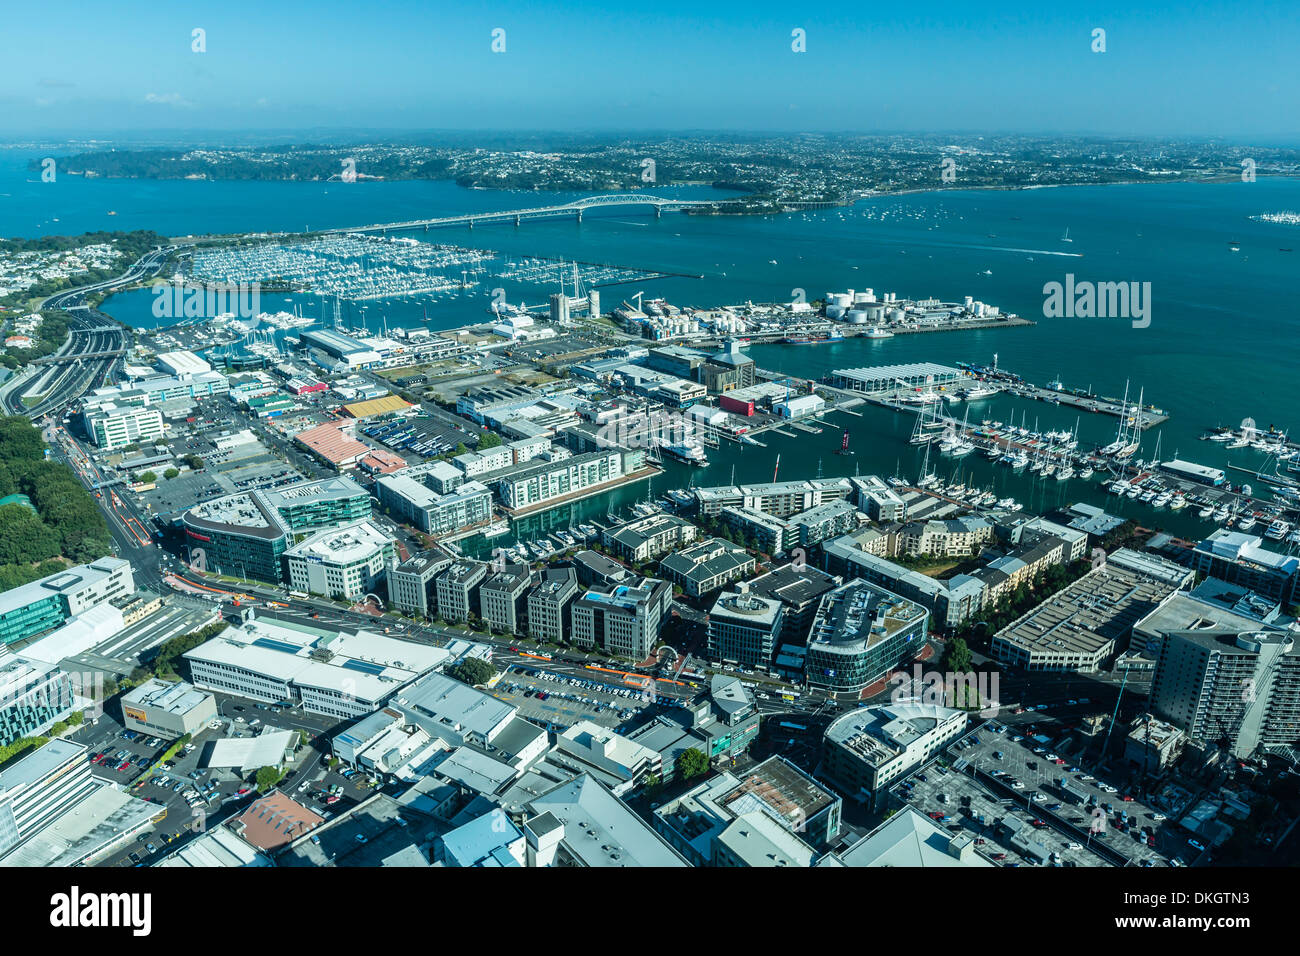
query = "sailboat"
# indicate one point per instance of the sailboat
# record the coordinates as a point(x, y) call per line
point(928, 477)
point(1066, 237)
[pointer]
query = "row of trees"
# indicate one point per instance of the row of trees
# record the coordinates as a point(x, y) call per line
point(165, 664)
point(70, 523)
point(1026, 596)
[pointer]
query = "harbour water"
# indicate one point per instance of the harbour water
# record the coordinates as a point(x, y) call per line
point(1221, 345)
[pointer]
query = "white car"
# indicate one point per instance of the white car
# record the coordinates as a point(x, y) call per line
point(1157, 816)
point(1053, 757)
point(1087, 776)
point(1076, 846)
point(1018, 785)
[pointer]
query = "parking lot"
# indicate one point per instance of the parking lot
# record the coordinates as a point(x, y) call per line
point(568, 699)
point(1028, 772)
point(191, 798)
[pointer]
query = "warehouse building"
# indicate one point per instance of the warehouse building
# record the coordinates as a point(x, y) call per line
point(167, 709)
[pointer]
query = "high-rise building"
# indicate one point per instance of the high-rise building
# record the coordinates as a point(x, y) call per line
point(503, 598)
point(624, 620)
point(41, 605)
point(412, 585)
point(1242, 687)
point(744, 628)
point(549, 604)
point(458, 590)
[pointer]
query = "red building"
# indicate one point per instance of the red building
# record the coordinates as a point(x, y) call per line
point(737, 406)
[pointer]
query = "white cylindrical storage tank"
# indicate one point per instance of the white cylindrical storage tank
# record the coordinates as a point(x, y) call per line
point(834, 311)
point(870, 294)
point(857, 317)
point(968, 302)
point(895, 315)
point(841, 299)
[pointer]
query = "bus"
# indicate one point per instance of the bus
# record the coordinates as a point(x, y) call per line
point(301, 595)
point(792, 726)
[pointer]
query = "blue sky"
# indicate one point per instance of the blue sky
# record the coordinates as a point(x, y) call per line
point(1205, 69)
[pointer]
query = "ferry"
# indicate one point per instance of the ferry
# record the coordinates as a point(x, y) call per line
point(689, 451)
point(1278, 530)
point(876, 332)
point(496, 529)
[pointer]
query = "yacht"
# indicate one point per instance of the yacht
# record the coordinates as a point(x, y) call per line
point(1177, 503)
point(1206, 512)
point(1278, 530)
point(1221, 513)
point(1119, 487)
point(1163, 499)
point(1133, 492)
point(1246, 523)
point(1148, 496)
point(688, 450)
point(1087, 472)
point(1065, 471)
point(1019, 461)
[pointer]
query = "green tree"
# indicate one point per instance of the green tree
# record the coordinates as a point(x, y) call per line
point(171, 473)
point(691, 763)
point(957, 656)
point(267, 778)
point(488, 440)
point(472, 671)
point(460, 448)
point(148, 477)
point(193, 461)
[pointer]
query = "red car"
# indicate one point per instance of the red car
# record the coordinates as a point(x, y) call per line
point(1128, 799)
point(936, 814)
point(1059, 762)
point(332, 799)
point(124, 766)
point(241, 791)
point(1151, 841)
point(1039, 823)
point(999, 856)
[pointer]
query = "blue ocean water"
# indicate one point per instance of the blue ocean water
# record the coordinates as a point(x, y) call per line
point(1222, 343)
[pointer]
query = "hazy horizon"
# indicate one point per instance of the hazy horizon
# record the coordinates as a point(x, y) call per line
point(1218, 71)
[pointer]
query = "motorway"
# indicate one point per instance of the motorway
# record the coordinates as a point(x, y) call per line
point(90, 333)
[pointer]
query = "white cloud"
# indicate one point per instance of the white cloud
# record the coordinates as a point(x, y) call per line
point(168, 99)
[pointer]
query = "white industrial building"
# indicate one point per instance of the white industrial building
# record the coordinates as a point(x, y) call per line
point(327, 672)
